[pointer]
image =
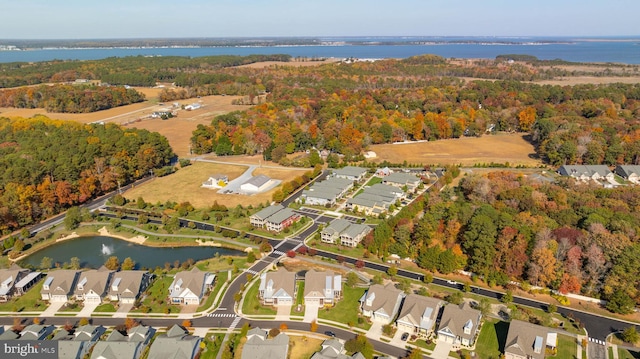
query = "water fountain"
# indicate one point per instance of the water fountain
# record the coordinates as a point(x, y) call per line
point(106, 250)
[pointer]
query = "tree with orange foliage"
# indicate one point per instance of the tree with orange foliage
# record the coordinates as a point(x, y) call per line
point(283, 327)
point(186, 323)
point(313, 326)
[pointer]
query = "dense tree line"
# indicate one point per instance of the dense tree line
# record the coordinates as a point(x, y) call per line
point(502, 226)
point(132, 70)
point(69, 98)
point(347, 107)
point(49, 165)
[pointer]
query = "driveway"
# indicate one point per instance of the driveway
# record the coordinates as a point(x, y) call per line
point(310, 312)
point(284, 312)
point(441, 350)
point(375, 331)
point(123, 310)
point(87, 309)
point(397, 339)
point(52, 309)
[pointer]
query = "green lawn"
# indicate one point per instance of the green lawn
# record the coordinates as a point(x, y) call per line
point(212, 346)
point(76, 307)
point(252, 305)
point(299, 300)
point(374, 180)
point(346, 310)
point(155, 297)
point(105, 308)
point(625, 354)
point(567, 347)
point(221, 278)
point(30, 301)
point(423, 344)
point(492, 334)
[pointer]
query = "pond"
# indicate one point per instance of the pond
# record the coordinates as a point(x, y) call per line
point(93, 252)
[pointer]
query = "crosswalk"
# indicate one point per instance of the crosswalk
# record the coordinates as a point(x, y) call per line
point(221, 315)
point(251, 271)
point(280, 253)
point(234, 324)
point(597, 341)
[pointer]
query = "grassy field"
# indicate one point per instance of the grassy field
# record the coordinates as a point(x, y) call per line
point(303, 347)
point(493, 335)
point(105, 308)
point(221, 278)
point(567, 347)
point(156, 296)
point(500, 148)
point(184, 186)
point(625, 354)
point(30, 301)
point(346, 310)
point(252, 305)
point(212, 346)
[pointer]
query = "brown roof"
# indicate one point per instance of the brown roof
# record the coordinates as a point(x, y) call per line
point(523, 337)
point(94, 280)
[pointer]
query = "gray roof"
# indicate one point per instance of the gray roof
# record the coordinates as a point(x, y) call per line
point(626, 170)
point(175, 344)
point(580, 170)
point(420, 311)
point(268, 211)
point(401, 178)
point(36, 332)
point(258, 348)
point(341, 183)
point(281, 216)
point(330, 195)
point(524, 338)
point(455, 317)
point(258, 180)
point(386, 299)
point(193, 280)
point(129, 283)
point(316, 282)
point(94, 280)
point(278, 284)
point(61, 282)
point(352, 171)
point(367, 202)
point(337, 226)
point(356, 229)
point(8, 277)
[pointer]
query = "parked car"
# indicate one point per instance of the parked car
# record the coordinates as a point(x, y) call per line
point(330, 334)
point(404, 337)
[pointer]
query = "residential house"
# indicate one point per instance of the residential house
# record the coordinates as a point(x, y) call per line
point(526, 341)
point(274, 218)
point(8, 279)
point(326, 192)
point(175, 343)
point(334, 349)
point(629, 172)
point(344, 232)
point(127, 285)
point(27, 282)
point(259, 219)
point(383, 172)
point(352, 173)
point(120, 346)
point(418, 314)
point(93, 285)
point(381, 303)
point(78, 343)
point(59, 285)
point(587, 172)
point(258, 346)
point(256, 184)
point(216, 181)
point(281, 220)
point(322, 288)
point(278, 288)
point(401, 179)
point(375, 199)
point(8, 335)
point(459, 324)
point(36, 332)
point(190, 287)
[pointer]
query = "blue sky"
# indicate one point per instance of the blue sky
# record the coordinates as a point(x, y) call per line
point(82, 19)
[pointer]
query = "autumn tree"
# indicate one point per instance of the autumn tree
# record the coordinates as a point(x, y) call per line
point(112, 263)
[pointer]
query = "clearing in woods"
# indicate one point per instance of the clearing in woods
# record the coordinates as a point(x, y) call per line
point(185, 185)
point(466, 151)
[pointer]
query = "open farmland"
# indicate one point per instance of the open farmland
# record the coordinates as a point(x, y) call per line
point(467, 151)
point(184, 185)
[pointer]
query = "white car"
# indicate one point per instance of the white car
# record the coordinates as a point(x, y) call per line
point(452, 282)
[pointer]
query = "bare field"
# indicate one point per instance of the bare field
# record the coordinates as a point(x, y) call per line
point(467, 151)
point(583, 80)
point(184, 185)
